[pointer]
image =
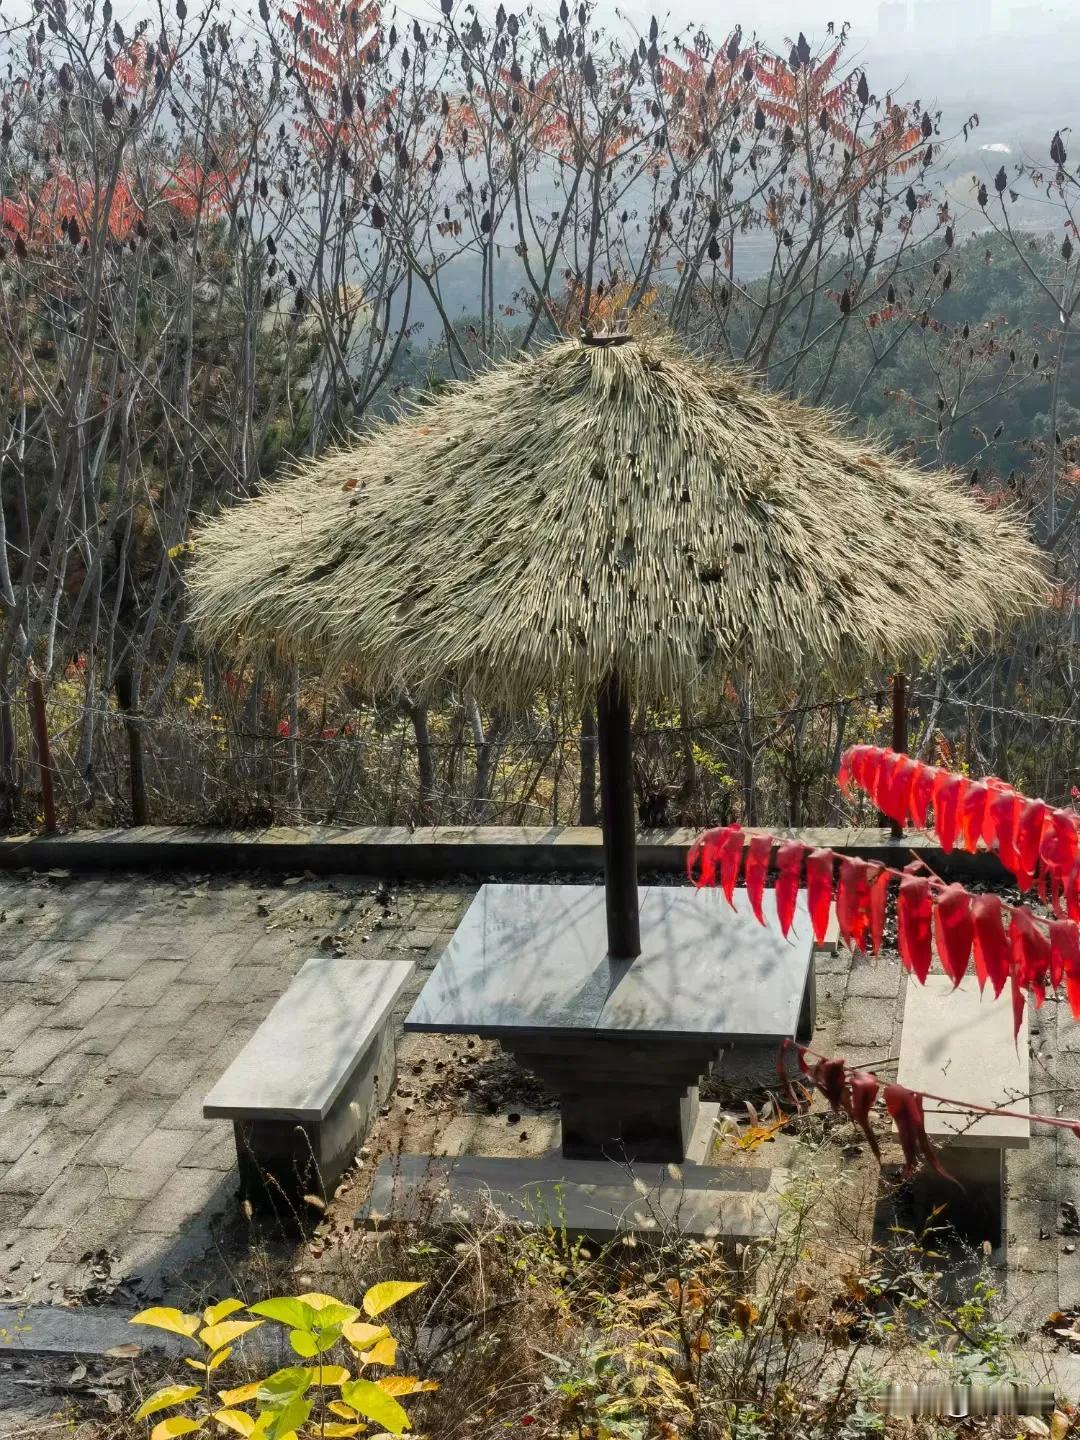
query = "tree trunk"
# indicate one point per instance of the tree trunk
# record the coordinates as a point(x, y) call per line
point(485, 761)
point(35, 694)
point(587, 750)
point(425, 764)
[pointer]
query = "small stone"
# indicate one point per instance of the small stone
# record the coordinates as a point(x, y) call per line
point(1032, 1425)
point(1068, 1249)
point(513, 1119)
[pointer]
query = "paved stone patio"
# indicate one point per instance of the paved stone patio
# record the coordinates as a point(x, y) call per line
point(121, 1002)
point(123, 999)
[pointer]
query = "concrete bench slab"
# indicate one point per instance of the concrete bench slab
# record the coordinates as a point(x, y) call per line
point(302, 1092)
point(594, 1198)
point(958, 1042)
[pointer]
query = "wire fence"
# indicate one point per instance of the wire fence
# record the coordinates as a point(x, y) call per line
point(775, 766)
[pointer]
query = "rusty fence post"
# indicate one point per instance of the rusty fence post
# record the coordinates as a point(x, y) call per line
point(35, 693)
point(899, 732)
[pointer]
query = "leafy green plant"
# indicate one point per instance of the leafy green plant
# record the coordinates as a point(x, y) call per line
point(316, 1398)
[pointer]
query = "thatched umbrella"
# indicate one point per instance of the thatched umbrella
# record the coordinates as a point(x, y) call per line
point(616, 515)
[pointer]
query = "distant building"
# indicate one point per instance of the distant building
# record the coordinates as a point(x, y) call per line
point(954, 19)
point(893, 17)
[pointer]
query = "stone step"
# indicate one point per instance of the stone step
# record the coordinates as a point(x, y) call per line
point(598, 1199)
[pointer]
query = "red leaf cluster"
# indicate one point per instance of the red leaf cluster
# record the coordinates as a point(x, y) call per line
point(1034, 840)
point(855, 1092)
point(1004, 943)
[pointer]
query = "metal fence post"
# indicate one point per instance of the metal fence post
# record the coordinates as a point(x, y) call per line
point(899, 732)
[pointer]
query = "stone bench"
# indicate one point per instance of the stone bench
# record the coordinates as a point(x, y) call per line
point(302, 1092)
point(959, 1043)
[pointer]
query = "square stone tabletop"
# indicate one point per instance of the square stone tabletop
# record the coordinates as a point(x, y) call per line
point(533, 958)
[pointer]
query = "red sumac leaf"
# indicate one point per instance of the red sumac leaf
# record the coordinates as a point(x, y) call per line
point(948, 793)
point(865, 764)
point(853, 765)
point(879, 894)
point(972, 813)
point(906, 1108)
point(883, 780)
point(996, 787)
point(782, 1073)
point(830, 1078)
point(953, 930)
point(756, 870)
point(720, 854)
point(701, 863)
point(853, 902)
point(819, 890)
point(897, 1103)
point(922, 792)
point(1072, 983)
point(1005, 812)
point(898, 798)
point(1030, 954)
point(992, 950)
point(913, 909)
point(1064, 951)
point(1017, 1007)
point(789, 860)
point(862, 1091)
point(1028, 837)
point(1071, 890)
point(1058, 846)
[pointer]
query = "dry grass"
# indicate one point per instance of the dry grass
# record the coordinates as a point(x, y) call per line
point(596, 508)
point(524, 1328)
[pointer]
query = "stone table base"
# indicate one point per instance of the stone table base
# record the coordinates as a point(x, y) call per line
point(623, 1043)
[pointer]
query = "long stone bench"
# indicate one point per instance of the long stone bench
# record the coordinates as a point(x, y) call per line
point(959, 1043)
point(302, 1092)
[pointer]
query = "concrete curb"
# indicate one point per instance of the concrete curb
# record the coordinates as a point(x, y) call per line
point(59, 1330)
point(442, 851)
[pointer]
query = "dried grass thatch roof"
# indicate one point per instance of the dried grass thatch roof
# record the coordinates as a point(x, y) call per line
point(600, 507)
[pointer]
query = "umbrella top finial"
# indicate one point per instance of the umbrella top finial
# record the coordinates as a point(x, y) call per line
point(605, 340)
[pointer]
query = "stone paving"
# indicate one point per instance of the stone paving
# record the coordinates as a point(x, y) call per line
point(123, 999)
point(121, 1002)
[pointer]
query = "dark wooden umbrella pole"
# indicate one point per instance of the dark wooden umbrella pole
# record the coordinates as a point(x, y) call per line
point(617, 800)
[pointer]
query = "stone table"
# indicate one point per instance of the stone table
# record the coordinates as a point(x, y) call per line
point(623, 1043)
